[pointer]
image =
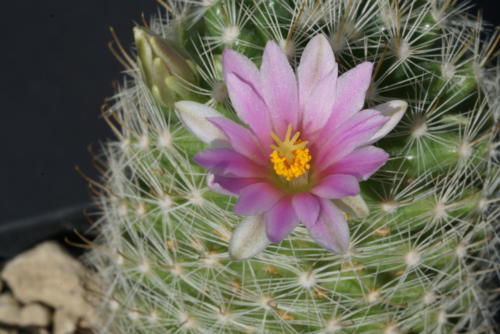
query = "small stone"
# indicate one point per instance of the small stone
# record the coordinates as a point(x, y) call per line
point(64, 323)
point(9, 310)
point(13, 314)
point(34, 315)
point(49, 275)
point(89, 320)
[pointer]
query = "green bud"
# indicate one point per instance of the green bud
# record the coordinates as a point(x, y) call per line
point(164, 66)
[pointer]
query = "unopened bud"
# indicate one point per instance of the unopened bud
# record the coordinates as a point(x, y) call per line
point(164, 66)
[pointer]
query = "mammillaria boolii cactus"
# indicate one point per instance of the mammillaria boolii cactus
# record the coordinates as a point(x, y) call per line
point(351, 181)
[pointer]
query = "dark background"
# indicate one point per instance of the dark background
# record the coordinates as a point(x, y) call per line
point(56, 72)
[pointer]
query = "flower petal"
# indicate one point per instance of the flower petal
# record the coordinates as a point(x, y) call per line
point(361, 163)
point(316, 62)
point(227, 162)
point(249, 238)
point(336, 186)
point(279, 88)
point(239, 65)
point(234, 185)
point(346, 138)
point(216, 186)
point(350, 95)
point(241, 139)
point(353, 205)
point(306, 208)
point(281, 220)
point(194, 117)
point(256, 199)
point(351, 90)
point(319, 107)
point(331, 230)
point(394, 110)
point(250, 108)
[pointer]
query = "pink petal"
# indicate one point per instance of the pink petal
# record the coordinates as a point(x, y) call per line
point(280, 220)
point(257, 199)
point(336, 186)
point(331, 230)
point(279, 88)
point(318, 109)
point(226, 161)
point(239, 65)
point(216, 187)
point(234, 184)
point(316, 62)
point(306, 207)
point(361, 163)
point(250, 108)
point(350, 95)
point(241, 139)
point(346, 138)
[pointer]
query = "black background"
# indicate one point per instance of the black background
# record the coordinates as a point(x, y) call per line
point(56, 72)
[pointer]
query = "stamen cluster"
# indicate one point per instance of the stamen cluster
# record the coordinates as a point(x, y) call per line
point(299, 165)
point(290, 157)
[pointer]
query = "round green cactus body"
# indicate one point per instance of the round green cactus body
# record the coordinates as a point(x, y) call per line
point(421, 261)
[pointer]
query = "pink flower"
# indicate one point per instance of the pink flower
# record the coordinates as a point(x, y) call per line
point(306, 147)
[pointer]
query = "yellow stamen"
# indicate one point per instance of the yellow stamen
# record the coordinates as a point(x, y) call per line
point(290, 157)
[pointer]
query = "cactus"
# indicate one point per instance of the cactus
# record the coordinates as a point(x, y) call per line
point(425, 258)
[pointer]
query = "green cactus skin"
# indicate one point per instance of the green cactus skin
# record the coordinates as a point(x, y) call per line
point(425, 258)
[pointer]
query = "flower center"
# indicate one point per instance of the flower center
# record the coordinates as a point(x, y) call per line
point(290, 157)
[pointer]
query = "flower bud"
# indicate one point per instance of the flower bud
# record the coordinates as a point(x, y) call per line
point(164, 66)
